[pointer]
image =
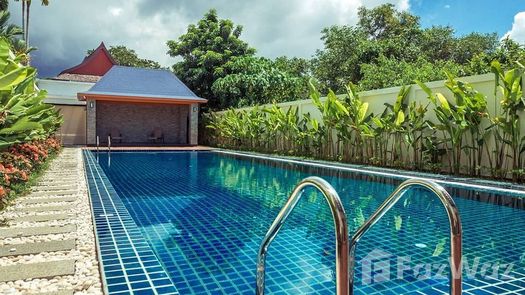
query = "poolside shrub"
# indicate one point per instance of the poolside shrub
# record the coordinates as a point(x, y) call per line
point(458, 135)
point(27, 124)
point(21, 162)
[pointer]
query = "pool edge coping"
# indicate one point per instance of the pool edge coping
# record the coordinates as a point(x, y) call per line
point(86, 158)
point(461, 182)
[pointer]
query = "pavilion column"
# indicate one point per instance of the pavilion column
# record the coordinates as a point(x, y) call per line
point(91, 122)
point(194, 124)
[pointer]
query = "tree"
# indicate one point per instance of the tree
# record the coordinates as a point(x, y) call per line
point(256, 80)
point(299, 67)
point(387, 72)
point(12, 32)
point(7, 30)
point(385, 22)
point(4, 4)
point(345, 47)
point(26, 8)
point(385, 37)
point(205, 48)
point(124, 56)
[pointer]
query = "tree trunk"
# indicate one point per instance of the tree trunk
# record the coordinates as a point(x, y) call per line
point(24, 19)
point(28, 7)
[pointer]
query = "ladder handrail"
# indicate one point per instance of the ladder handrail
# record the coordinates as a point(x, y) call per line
point(109, 143)
point(341, 232)
point(453, 217)
point(98, 143)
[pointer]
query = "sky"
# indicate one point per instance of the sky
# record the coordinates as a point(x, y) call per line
point(66, 29)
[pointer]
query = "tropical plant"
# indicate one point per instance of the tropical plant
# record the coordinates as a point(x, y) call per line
point(205, 49)
point(23, 114)
point(403, 135)
point(253, 80)
point(7, 30)
point(332, 112)
point(354, 127)
point(474, 111)
point(388, 47)
point(451, 124)
point(26, 9)
point(510, 144)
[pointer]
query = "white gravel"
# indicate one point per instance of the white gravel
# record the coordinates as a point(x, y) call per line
point(66, 170)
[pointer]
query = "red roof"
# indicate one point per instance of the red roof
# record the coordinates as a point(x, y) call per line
point(97, 63)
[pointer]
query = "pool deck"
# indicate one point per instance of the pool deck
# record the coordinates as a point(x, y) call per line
point(47, 243)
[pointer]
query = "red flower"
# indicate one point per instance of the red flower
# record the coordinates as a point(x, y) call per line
point(23, 176)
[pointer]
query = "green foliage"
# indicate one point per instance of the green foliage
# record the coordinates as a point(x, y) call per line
point(205, 49)
point(454, 138)
point(23, 114)
point(256, 80)
point(4, 4)
point(345, 48)
point(389, 48)
point(124, 56)
point(387, 72)
point(506, 124)
point(385, 22)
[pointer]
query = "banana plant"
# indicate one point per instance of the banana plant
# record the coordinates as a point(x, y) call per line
point(393, 119)
point(355, 125)
point(452, 124)
point(332, 111)
point(416, 127)
point(23, 114)
point(473, 105)
point(507, 123)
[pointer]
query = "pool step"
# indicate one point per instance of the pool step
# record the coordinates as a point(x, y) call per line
point(13, 232)
point(37, 270)
point(35, 248)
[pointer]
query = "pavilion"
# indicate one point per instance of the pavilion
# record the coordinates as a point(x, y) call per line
point(133, 106)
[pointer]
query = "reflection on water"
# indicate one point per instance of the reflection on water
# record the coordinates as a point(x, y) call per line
point(205, 214)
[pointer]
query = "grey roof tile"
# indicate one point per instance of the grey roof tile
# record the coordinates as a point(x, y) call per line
point(141, 82)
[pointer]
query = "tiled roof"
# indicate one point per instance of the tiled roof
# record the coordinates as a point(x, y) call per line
point(78, 78)
point(143, 83)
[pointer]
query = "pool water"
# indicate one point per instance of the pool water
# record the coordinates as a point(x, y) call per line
point(204, 215)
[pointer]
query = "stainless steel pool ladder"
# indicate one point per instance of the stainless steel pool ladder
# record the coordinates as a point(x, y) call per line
point(109, 143)
point(98, 143)
point(344, 266)
point(453, 219)
point(341, 232)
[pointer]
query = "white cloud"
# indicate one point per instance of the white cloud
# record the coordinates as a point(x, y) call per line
point(447, 6)
point(64, 30)
point(517, 33)
point(115, 11)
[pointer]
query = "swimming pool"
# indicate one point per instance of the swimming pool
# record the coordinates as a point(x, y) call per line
point(204, 214)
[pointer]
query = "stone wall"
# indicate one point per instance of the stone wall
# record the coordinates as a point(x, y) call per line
point(194, 124)
point(137, 121)
point(91, 121)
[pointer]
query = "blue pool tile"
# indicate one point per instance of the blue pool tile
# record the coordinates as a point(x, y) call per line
point(204, 215)
point(125, 257)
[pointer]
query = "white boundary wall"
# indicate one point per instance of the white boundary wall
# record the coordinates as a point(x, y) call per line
point(377, 99)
